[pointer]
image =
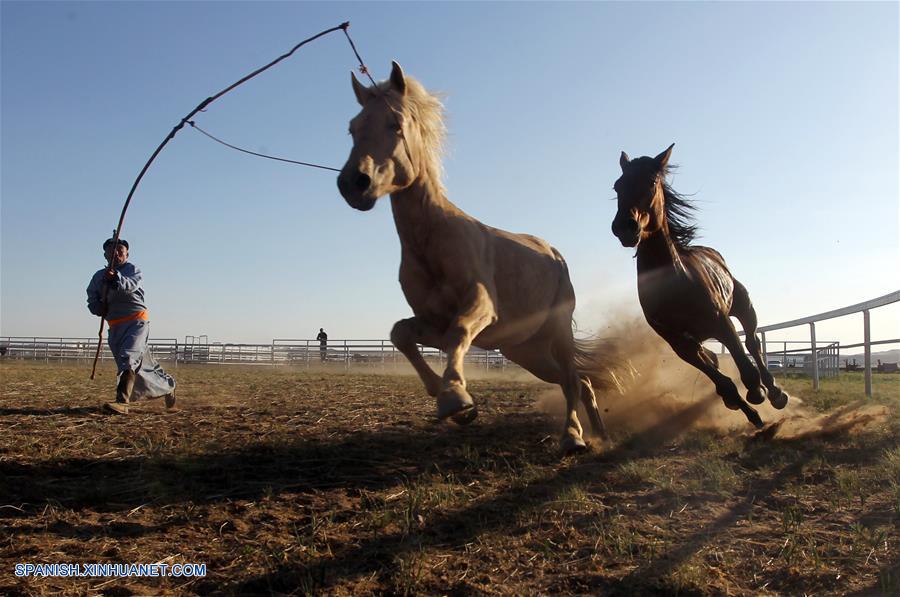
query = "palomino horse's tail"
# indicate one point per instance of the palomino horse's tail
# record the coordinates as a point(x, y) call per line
point(601, 361)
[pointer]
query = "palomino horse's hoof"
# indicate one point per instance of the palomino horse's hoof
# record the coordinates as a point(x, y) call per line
point(755, 396)
point(571, 445)
point(778, 398)
point(464, 417)
point(453, 400)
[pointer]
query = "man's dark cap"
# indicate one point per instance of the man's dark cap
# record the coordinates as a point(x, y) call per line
point(111, 241)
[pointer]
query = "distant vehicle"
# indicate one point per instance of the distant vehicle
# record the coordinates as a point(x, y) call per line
point(773, 365)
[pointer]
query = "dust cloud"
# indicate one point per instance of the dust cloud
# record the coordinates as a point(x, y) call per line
point(664, 397)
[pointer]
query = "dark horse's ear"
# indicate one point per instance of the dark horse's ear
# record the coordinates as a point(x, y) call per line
point(361, 91)
point(623, 160)
point(397, 80)
point(663, 158)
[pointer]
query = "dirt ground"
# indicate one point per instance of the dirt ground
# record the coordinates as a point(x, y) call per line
point(285, 480)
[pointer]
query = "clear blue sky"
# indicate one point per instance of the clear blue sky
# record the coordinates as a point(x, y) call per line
point(784, 115)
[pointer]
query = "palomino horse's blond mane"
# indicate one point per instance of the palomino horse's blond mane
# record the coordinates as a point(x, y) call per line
point(467, 283)
point(427, 112)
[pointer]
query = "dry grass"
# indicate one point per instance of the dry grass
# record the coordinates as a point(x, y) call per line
point(287, 481)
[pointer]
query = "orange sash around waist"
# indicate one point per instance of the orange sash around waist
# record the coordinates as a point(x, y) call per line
point(142, 315)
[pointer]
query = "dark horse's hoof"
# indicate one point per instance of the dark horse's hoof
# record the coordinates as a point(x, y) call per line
point(753, 417)
point(767, 433)
point(755, 396)
point(733, 403)
point(778, 398)
point(464, 417)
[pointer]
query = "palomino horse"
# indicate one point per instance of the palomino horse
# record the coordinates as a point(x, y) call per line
point(467, 283)
point(686, 291)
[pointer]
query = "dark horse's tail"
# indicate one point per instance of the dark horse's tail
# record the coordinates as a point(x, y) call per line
point(601, 361)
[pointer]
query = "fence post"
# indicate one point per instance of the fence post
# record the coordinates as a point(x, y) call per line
point(837, 360)
point(867, 352)
point(814, 355)
point(765, 351)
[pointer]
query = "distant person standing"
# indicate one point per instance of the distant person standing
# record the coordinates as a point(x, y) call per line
point(116, 293)
point(323, 344)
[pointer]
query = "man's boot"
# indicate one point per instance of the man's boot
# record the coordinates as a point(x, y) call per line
point(123, 394)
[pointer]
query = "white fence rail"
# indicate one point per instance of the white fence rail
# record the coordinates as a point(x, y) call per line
point(867, 343)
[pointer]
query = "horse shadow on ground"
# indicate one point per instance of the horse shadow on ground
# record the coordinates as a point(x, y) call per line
point(370, 460)
point(380, 555)
point(364, 461)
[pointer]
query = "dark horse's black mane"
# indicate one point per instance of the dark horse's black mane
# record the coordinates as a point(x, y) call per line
point(679, 215)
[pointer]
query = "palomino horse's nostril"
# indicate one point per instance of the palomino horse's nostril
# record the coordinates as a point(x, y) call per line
point(363, 181)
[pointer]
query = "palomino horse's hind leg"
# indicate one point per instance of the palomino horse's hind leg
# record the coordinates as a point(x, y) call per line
point(746, 314)
point(694, 354)
point(589, 401)
point(573, 437)
point(572, 442)
point(537, 356)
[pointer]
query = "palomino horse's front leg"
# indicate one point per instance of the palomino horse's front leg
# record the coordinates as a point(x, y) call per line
point(405, 335)
point(477, 313)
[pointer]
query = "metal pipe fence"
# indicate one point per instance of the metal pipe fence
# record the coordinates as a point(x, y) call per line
point(830, 353)
point(814, 358)
point(281, 351)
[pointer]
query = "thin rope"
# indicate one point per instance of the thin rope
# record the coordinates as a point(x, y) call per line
point(364, 70)
point(343, 26)
point(201, 107)
point(362, 66)
point(262, 155)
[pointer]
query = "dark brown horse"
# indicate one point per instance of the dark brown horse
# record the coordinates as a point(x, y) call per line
point(686, 291)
